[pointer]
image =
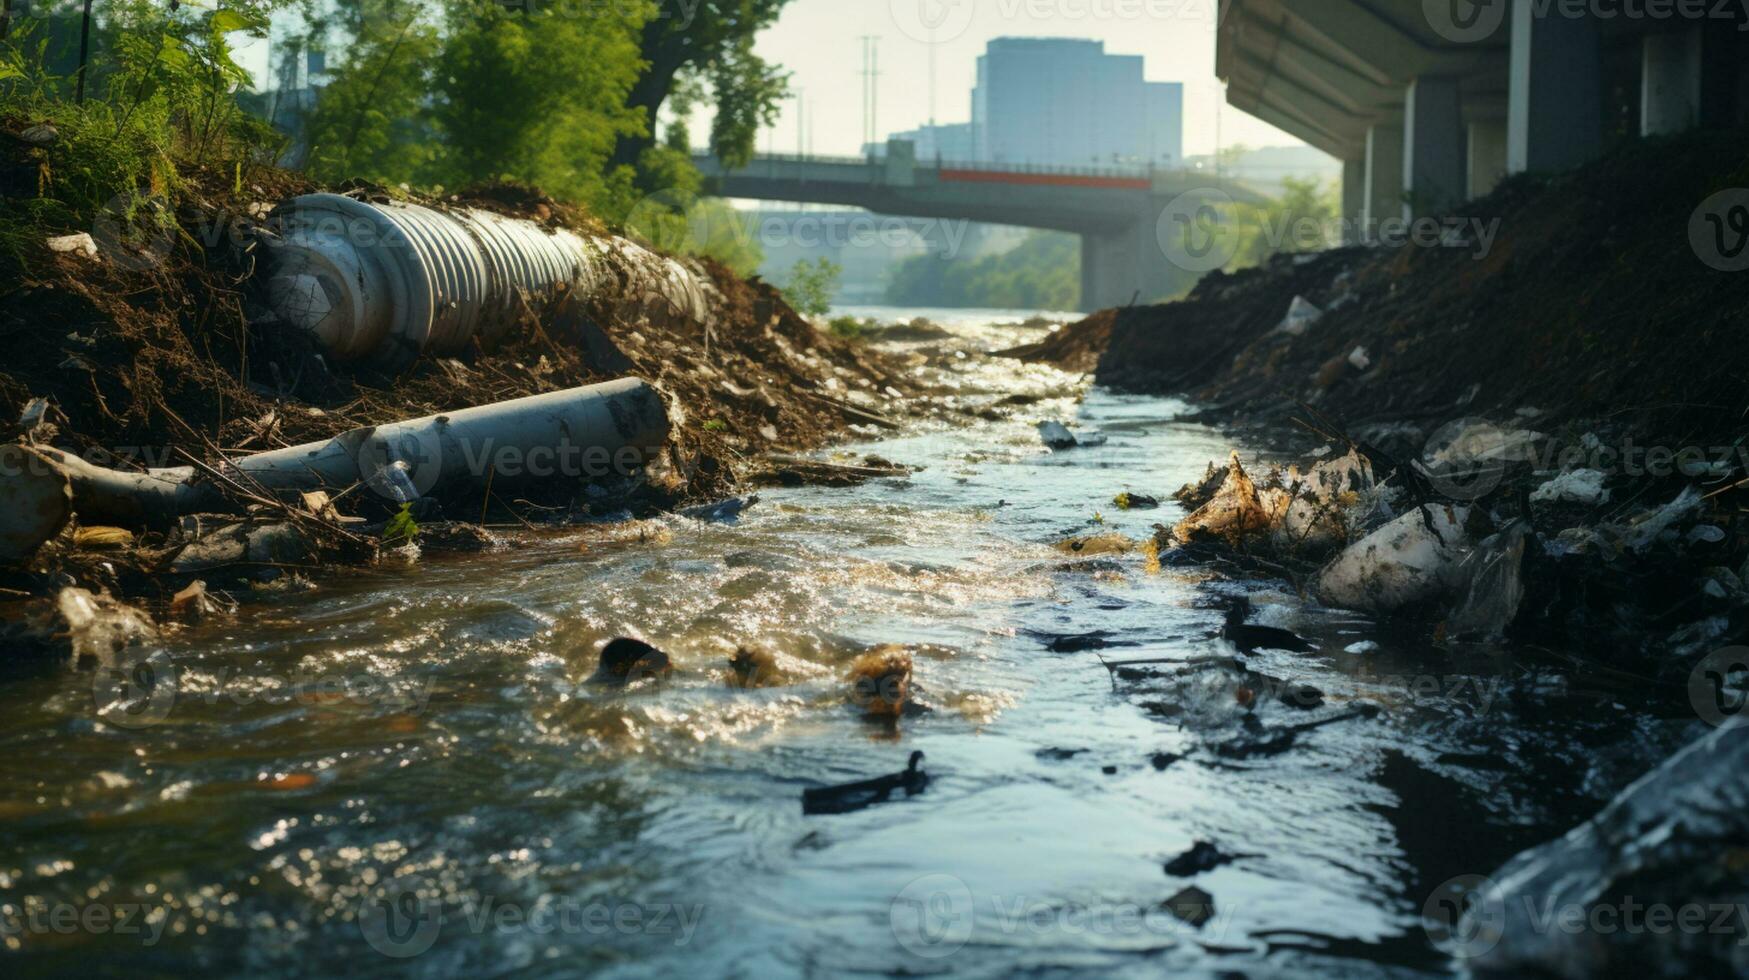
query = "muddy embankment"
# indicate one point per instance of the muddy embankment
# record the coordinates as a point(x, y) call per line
point(1525, 437)
point(1574, 368)
point(159, 348)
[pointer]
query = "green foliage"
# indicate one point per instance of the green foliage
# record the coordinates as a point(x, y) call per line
point(370, 119)
point(812, 285)
point(710, 41)
point(749, 93)
point(537, 97)
point(1304, 219)
point(1042, 273)
point(401, 529)
point(486, 92)
point(716, 425)
point(161, 91)
point(848, 327)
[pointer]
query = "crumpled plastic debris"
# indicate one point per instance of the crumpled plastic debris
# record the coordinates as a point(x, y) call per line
point(99, 627)
point(1315, 512)
point(1400, 564)
point(1494, 584)
point(1582, 486)
point(1301, 315)
point(1664, 839)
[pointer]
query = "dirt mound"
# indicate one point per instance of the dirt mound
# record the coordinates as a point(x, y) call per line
point(1590, 304)
point(161, 350)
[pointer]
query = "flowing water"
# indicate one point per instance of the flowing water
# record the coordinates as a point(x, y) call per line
point(402, 770)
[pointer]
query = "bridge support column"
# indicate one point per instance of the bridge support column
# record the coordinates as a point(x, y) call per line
point(1487, 156)
point(1121, 267)
point(1670, 80)
point(1353, 200)
point(1433, 146)
point(1554, 114)
point(1384, 177)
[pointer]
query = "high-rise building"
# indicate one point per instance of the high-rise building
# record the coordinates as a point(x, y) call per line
point(1059, 102)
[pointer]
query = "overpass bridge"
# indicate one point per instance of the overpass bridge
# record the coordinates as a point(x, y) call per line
point(1117, 213)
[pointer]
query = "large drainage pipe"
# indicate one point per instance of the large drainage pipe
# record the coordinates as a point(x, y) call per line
point(392, 281)
point(580, 435)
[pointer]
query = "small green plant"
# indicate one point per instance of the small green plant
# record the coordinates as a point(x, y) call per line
point(716, 425)
point(401, 529)
point(848, 327)
point(812, 286)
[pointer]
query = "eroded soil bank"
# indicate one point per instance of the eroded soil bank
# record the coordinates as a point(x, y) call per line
point(159, 350)
point(1589, 337)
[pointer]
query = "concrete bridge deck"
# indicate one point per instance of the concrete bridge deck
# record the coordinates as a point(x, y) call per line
point(1118, 213)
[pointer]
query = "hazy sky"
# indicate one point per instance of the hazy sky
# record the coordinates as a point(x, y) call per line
point(818, 41)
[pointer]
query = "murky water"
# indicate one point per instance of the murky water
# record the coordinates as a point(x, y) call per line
point(403, 772)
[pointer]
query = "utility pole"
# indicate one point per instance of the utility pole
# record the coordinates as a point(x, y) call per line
point(874, 89)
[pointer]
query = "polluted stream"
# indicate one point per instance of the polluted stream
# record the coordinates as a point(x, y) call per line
point(403, 769)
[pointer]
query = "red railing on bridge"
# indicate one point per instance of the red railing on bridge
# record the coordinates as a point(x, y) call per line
point(980, 172)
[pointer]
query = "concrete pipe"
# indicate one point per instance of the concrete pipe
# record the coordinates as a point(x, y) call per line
point(585, 434)
point(591, 434)
point(391, 282)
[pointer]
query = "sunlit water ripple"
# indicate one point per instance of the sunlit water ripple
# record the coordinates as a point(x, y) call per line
point(563, 830)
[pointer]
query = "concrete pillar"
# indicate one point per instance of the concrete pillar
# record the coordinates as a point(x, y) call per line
point(1554, 105)
point(1128, 265)
point(1384, 176)
point(1487, 156)
point(1353, 200)
point(1670, 74)
point(1433, 146)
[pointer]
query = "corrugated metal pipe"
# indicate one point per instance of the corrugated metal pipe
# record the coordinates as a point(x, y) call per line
point(390, 282)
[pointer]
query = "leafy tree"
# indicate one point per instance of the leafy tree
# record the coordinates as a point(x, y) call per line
point(711, 41)
point(538, 96)
point(1042, 273)
point(371, 120)
point(812, 285)
point(1303, 219)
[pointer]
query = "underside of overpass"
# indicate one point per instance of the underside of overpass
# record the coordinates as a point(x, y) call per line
point(1430, 103)
point(1117, 214)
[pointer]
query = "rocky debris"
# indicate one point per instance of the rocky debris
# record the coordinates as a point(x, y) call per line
point(624, 661)
point(94, 627)
point(79, 243)
point(881, 681)
point(1056, 435)
point(1202, 856)
point(850, 797)
point(753, 667)
point(1674, 839)
point(1135, 501)
point(1193, 905)
point(194, 603)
